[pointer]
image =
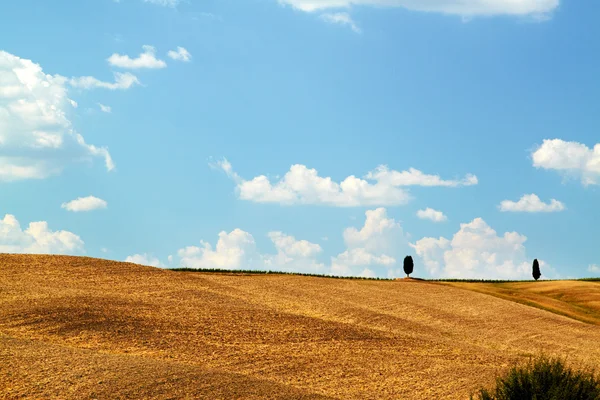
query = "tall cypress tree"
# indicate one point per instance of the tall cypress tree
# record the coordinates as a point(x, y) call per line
point(408, 265)
point(536, 270)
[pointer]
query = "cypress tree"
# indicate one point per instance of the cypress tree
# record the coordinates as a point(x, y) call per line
point(408, 265)
point(536, 270)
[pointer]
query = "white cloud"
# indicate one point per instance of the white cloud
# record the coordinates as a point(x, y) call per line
point(36, 239)
point(302, 185)
point(89, 203)
point(237, 250)
point(465, 8)
point(293, 255)
point(164, 3)
point(414, 177)
point(594, 268)
point(234, 250)
point(180, 54)
point(376, 234)
point(571, 158)
point(375, 245)
point(147, 59)
point(144, 259)
point(431, 214)
point(36, 136)
point(104, 108)
point(477, 252)
point(531, 203)
point(341, 18)
point(122, 81)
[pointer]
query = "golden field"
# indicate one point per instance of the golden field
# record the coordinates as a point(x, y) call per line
point(73, 327)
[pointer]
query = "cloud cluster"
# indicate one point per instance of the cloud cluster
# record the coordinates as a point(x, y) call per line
point(531, 203)
point(144, 259)
point(36, 239)
point(372, 246)
point(432, 215)
point(237, 250)
point(37, 139)
point(293, 255)
point(465, 8)
point(180, 54)
point(122, 81)
point(477, 251)
point(88, 203)
point(147, 59)
point(234, 250)
point(303, 185)
point(376, 244)
point(571, 158)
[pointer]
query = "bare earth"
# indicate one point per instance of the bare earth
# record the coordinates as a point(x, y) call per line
point(85, 328)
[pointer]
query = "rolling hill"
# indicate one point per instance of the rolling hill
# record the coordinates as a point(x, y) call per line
point(74, 327)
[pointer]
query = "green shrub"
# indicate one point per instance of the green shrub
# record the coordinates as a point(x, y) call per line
point(544, 379)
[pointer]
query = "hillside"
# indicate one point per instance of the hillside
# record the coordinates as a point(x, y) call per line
point(579, 300)
point(85, 328)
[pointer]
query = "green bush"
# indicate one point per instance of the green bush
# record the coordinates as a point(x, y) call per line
point(544, 379)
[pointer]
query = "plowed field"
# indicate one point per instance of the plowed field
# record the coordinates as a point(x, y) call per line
point(73, 327)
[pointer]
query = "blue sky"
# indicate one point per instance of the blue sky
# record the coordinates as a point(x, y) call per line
point(304, 135)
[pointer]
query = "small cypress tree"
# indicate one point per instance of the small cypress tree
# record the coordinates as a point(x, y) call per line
point(408, 265)
point(536, 270)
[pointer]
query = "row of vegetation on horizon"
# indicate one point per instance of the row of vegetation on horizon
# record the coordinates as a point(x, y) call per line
point(408, 267)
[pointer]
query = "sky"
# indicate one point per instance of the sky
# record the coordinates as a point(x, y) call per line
point(317, 136)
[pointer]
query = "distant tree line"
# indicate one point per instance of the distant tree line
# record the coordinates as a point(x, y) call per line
point(409, 267)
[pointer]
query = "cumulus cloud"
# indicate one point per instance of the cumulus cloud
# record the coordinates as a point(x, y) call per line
point(293, 255)
point(432, 215)
point(375, 244)
point(372, 247)
point(36, 136)
point(237, 250)
point(180, 54)
point(144, 259)
point(36, 239)
point(594, 268)
point(341, 18)
point(414, 177)
point(122, 81)
point(302, 185)
point(531, 203)
point(570, 158)
point(378, 234)
point(104, 108)
point(164, 3)
point(234, 250)
point(89, 203)
point(147, 59)
point(465, 8)
point(477, 251)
